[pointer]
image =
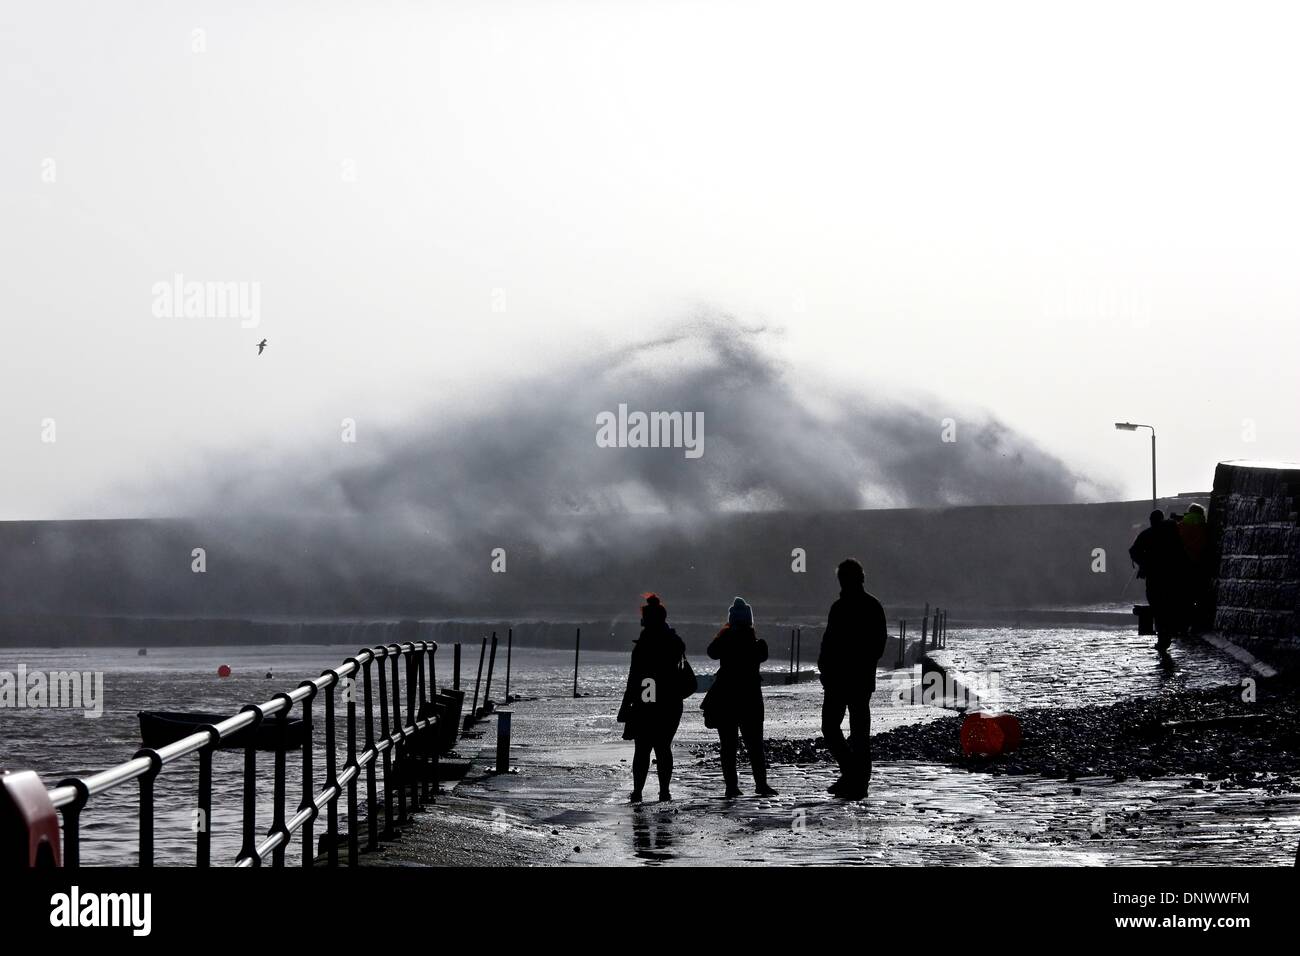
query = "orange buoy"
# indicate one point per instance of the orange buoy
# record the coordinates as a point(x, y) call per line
point(1011, 735)
point(989, 735)
point(223, 670)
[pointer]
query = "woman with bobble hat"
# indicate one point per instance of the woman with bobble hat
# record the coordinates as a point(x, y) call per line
point(734, 704)
point(657, 680)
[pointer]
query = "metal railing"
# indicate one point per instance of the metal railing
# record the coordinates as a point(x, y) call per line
point(406, 786)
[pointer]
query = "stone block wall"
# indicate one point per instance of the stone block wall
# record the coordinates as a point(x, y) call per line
point(1255, 532)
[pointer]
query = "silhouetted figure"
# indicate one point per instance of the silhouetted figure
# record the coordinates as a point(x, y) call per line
point(1162, 563)
point(734, 704)
point(652, 702)
point(1194, 533)
point(851, 645)
point(261, 346)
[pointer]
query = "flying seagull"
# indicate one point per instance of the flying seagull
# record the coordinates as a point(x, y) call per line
point(261, 346)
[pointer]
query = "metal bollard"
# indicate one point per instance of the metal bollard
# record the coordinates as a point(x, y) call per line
point(503, 741)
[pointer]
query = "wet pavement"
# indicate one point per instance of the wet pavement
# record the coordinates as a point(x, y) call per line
point(566, 799)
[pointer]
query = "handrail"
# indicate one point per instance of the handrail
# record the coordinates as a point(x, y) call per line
point(412, 741)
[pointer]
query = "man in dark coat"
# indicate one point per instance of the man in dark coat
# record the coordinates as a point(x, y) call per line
point(851, 645)
point(1161, 562)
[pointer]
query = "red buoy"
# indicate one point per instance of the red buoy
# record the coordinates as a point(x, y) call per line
point(989, 735)
point(223, 670)
point(1011, 735)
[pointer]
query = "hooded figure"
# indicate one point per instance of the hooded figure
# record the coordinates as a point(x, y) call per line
point(734, 704)
point(652, 700)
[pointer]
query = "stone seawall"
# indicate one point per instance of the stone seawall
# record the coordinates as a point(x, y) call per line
point(1255, 532)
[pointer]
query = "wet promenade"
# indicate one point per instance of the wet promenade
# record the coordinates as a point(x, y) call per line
point(566, 802)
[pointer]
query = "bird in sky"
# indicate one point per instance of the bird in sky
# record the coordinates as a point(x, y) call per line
point(261, 346)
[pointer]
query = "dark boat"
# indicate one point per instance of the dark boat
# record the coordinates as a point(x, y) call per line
point(158, 728)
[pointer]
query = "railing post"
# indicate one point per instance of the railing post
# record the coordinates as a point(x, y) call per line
point(351, 764)
point(72, 822)
point(308, 802)
point(281, 782)
point(422, 654)
point(372, 798)
point(331, 774)
point(413, 775)
point(248, 850)
point(399, 736)
point(203, 834)
point(385, 740)
point(146, 804)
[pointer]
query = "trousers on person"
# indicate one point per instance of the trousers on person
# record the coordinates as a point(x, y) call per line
point(853, 755)
point(729, 737)
point(661, 744)
point(1163, 600)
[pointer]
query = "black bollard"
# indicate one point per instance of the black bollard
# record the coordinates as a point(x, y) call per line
point(503, 741)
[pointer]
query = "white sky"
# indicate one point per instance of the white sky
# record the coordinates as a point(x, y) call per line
point(1065, 218)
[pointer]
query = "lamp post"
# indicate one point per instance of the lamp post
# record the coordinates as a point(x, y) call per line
point(1132, 427)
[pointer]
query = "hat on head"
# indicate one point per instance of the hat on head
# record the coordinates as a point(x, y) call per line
point(653, 611)
point(740, 613)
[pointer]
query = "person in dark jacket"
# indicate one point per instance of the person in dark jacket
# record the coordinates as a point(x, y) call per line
point(734, 704)
point(652, 701)
point(1195, 537)
point(851, 645)
point(1162, 562)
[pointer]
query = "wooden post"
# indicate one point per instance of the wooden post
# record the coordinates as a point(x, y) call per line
point(577, 647)
point(473, 710)
point(510, 643)
point(925, 618)
point(455, 666)
point(791, 650)
point(492, 663)
point(798, 649)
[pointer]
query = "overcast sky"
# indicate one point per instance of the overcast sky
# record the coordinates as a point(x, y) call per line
point(1063, 219)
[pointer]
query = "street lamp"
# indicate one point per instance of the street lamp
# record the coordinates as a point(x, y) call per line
point(1132, 427)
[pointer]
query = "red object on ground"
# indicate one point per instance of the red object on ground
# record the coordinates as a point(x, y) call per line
point(1011, 735)
point(989, 735)
point(30, 822)
point(223, 670)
